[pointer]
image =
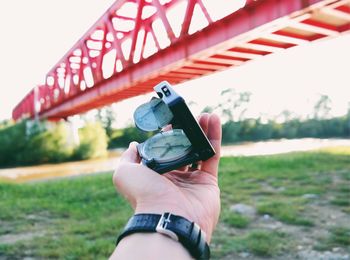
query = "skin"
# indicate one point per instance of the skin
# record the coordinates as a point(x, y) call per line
point(191, 193)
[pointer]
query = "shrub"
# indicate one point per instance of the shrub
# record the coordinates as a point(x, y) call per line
point(93, 142)
point(122, 137)
point(12, 144)
point(27, 143)
point(48, 145)
point(45, 144)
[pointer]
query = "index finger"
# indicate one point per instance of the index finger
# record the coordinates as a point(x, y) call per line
point(131, 155)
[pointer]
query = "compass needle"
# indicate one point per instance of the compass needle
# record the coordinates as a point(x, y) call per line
point(165, 152)
point(172, 143)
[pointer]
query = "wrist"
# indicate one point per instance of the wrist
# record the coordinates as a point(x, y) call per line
point(176, 209)
point(178, 228)
point(160, 208)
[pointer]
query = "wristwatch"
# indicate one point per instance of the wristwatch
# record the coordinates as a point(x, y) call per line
point(176, 227)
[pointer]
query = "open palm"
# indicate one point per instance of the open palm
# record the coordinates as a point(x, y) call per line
point(193, 194)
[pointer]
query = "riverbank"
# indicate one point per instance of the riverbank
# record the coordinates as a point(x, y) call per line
point(49, 171)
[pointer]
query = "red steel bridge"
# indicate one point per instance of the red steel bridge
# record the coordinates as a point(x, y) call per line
point(138, 43)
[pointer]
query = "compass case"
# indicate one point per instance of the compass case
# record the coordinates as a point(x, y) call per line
point(184, 119)
point(181, 118)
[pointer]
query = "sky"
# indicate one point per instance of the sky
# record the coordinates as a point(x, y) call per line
point(36, 34)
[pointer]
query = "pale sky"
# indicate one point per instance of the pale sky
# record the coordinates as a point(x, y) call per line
point(36, 34)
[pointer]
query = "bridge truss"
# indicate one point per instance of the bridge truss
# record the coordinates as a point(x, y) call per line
point(138, 43)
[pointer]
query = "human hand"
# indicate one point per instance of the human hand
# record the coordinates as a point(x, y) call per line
point(190, 193)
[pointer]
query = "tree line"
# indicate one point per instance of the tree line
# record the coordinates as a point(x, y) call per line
point(237, 127)
point(30, 142)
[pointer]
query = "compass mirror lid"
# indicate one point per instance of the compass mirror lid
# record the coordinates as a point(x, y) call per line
point(152, 115)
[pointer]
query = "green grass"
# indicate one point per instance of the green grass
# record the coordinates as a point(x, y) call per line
point(341, 201)
point(301, 190)
point(338, 237)
point(258, 242)
point(80, 218)
point(264, 243)
point(288, 211)
point(235, 220)
point(342, 195)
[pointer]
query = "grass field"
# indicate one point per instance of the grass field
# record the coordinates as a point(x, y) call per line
point(299, 207)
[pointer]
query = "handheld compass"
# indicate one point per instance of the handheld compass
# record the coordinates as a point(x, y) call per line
point(168, 150)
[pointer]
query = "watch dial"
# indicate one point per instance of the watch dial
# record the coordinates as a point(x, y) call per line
point(167, 146)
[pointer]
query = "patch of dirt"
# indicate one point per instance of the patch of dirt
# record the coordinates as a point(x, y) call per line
point(301, 240)
point(14, 238)
point(37, 227)
point(248, 256)
point(327, 255)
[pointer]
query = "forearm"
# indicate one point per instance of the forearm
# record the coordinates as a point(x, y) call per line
point(149, 246)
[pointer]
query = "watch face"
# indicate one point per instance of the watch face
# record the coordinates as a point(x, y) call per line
point(152, 115)
point(166, 146)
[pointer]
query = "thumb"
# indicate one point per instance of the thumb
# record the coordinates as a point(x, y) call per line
point(131, 155)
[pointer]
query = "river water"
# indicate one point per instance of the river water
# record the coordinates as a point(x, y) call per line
point(49, 171)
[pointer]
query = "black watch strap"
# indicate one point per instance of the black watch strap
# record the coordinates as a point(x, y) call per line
point(186, 232)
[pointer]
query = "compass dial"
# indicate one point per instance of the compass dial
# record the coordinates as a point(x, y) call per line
point(167, 146)
point(153, 115)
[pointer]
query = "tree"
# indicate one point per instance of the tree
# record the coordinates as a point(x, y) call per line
point(93, 142)
point(322, 107)
point(234, 105)
point(348, 120)
point(286, 116)
point(207, 109)
point(107, 118)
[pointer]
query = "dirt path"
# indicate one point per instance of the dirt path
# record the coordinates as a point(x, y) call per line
point(49, 171)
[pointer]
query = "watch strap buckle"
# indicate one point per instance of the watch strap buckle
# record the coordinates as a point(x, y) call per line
point(163, 222)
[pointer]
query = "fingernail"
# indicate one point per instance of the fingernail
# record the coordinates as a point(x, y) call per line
point(133, 144)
